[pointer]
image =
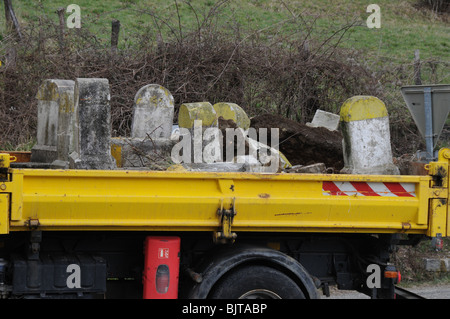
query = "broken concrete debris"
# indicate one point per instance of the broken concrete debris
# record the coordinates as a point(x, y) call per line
point(325, 119)
point(209, 167)
point(92, 131)
point(142, 152)
point(74, 131)
point(318, 168)
point(301, 144)
point(436, 264)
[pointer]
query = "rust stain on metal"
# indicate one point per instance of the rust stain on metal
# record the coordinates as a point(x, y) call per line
point(298, 213)
point(264, 195)
point(406, 226)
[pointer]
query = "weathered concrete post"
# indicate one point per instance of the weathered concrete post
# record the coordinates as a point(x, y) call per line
point(150, 143)
point(66, 124)
point(367, 143)
point(153, 112)
point(51, 97)
point(92, 132)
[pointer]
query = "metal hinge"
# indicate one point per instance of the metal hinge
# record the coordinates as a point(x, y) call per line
point(5, 161)
point(226, 220)
point(32, 223)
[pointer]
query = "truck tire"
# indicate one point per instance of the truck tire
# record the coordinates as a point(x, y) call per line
point(256, 282)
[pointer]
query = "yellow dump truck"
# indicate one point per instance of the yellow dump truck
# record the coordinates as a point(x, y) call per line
point(152, 234)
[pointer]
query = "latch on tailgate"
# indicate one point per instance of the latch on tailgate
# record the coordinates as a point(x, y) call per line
point(439, 195)
point(226, 220)
point(4, 213)
point(5, 161)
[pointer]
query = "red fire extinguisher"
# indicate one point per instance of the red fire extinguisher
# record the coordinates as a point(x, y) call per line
point(162, 265)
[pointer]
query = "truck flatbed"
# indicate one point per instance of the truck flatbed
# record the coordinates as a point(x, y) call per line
point(198, 201)
point(290, 233)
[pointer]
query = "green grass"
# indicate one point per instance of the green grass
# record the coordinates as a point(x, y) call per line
point(403, 27)
point(24, 147)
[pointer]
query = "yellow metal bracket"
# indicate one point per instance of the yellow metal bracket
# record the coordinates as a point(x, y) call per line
point(438, 218)
point(440, 170)
point(10, 186)
point(5, 161)
point(439, 195)
point(4, 213)
point(226, 220)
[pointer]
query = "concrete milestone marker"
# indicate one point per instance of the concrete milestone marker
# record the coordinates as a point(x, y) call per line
point(92, 132)
point(51, 99)
point(366, 143)
point(198, 118)
point(66, 124)
point(199, 111)
point(153, 112)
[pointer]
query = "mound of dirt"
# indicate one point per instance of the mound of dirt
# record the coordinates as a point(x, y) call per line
point(304, 145)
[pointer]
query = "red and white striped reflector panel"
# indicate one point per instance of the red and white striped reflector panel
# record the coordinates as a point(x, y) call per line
point(369, 189)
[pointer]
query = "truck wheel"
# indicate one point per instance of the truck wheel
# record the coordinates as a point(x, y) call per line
point(256, 282)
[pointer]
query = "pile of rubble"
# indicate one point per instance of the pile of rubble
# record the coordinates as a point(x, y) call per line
point(74, 131)
point(306, 145)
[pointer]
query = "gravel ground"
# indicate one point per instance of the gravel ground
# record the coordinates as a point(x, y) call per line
point(427, 291)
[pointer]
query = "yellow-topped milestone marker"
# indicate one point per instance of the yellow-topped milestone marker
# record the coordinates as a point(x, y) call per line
point(364, 123)
point(200, 111)
point(362, 107)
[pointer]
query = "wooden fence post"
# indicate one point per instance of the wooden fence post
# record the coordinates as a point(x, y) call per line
point(115, 29)
point(11, 19)
point(417, 77)
point(61, 32)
